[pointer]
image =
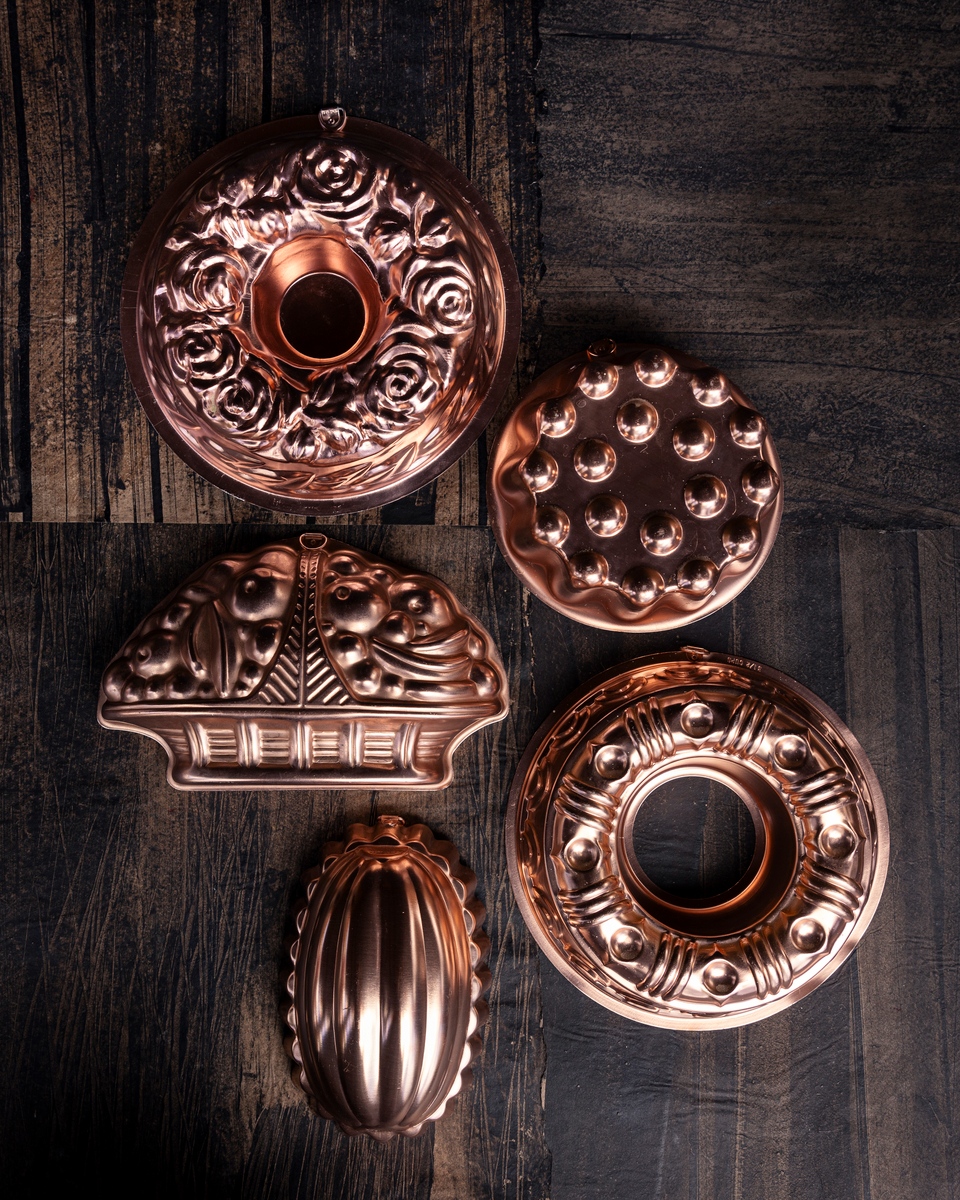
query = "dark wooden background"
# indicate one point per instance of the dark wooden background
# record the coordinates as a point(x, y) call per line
point(770, 186)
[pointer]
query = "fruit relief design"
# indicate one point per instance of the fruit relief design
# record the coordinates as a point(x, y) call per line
point(306, 663)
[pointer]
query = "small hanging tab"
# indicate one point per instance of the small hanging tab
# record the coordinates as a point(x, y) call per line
point(332, 121)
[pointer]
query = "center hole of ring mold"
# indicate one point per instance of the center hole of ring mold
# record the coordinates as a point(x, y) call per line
point(707, 878)
point(694, 837)
point(315, 303)
point(322, 315)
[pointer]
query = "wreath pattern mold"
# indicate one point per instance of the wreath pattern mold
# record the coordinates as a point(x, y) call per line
point(804, 902)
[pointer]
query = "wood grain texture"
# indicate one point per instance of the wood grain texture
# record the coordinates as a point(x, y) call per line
point(771, 188)
point(143, 927)
point(102, 104)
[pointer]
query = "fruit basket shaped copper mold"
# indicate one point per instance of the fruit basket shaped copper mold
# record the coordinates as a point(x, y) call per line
point(387, 978)
point(807, 896)
point(320, 316)
point(635, 488)
point(306, 663)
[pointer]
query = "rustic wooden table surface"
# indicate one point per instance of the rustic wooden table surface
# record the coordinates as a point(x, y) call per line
point(773, 188)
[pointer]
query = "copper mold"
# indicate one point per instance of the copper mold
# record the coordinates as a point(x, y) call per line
point(320, 316)
point(306, 663)
point(635, 488)
point(805, 900)
point(387, 979)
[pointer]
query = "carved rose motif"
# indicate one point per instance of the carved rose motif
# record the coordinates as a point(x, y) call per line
point(203, 356)
point(402, 383)
point(330, 413)
point(441, 294)
point(208, 279)
point(245, 400)
point(335, 178)
point(405, 233)
point(413, 221)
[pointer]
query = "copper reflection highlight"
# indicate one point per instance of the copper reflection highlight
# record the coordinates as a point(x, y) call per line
point(387, 978)
point(807, 896)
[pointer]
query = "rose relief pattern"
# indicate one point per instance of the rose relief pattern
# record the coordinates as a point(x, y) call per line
point(233, 393)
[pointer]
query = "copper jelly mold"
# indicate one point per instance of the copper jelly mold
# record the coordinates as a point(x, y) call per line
point(320, 316)
point(807, 897)
point(634, 488)
point(306, 663)
point(387, 978)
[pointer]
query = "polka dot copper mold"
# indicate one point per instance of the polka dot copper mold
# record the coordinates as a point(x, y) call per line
point(633, 488)
point(807, 896)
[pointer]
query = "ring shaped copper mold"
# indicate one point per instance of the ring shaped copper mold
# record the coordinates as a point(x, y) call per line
point(635, 489)
point(388, 974)
point(806, 898)
point(320, 316)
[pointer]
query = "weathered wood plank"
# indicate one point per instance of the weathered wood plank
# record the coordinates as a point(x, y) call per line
point(768, 189)
point(901, 599)
point(15, 269)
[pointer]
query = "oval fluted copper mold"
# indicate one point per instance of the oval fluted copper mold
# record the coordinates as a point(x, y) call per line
point(806, 898)
point(634, 488)
point(320, 316)
point(387, 979)
point(306, 663)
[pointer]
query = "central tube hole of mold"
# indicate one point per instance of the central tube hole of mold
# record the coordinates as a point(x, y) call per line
point(322, 315)
point(694, 838)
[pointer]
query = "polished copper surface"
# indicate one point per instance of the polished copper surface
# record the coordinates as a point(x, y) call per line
point(306, 663)
point(387, 980)
point(806, 898)
point(635, 488)
point(320, 315)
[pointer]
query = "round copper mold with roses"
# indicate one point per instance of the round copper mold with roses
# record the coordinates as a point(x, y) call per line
point(320, 316)
point(634, 488)
point(306, 663)
point(800, 908)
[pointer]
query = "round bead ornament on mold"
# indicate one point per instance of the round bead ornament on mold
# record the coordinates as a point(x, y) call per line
point(821, 840)
point(648, 462)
